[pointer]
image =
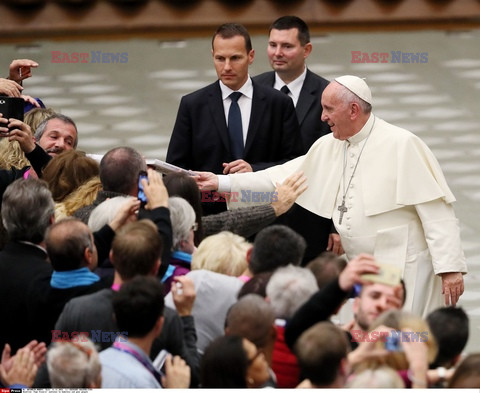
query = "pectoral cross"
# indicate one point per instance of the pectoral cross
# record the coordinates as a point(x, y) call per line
point(342, 209)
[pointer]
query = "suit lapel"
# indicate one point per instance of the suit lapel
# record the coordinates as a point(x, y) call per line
point(307, 97)
point(258, 110)
point(215, 104)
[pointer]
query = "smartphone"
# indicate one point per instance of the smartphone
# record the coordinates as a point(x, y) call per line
point(11, 107)
point(392, 342)
point(141, 193)
point(159, 362)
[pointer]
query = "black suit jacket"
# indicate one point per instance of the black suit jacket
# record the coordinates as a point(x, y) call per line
point(200, 138)
point(20, 266)
point(309, 106)
point(313, 228)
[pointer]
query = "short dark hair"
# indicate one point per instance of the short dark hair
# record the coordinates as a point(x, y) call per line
point(276, 246)
point(136, 248)
point(230, 30)
point(292, 22)
point(66, 241)
point(138, 305)
point(224, 364)
point(320, 350)
point(449, 326)
point(326, 267)
point(27, 209)
point(251, 317)
point(119, 169)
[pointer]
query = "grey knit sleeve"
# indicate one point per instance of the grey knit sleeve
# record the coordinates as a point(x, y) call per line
point(244, 221)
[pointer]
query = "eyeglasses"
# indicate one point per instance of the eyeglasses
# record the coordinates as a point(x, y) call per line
point(194, 227)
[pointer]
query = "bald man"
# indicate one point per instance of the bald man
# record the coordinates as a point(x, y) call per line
point(384, 190)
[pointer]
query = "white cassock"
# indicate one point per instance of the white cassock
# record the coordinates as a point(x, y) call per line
point(399, 204)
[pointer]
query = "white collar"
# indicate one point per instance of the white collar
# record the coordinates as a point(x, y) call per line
point(246, 89)
point(294, 86)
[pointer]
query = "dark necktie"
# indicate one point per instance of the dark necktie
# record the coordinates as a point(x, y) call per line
point(285, 89)
point(235, 127)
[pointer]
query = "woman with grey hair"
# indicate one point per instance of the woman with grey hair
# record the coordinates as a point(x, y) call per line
point(74, 364)
point(182, 217)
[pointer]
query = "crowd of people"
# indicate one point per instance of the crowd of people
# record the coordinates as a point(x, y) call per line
point(104, 290)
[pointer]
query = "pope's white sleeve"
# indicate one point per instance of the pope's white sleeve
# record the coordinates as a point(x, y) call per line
point(250, 189)
point(442, 234)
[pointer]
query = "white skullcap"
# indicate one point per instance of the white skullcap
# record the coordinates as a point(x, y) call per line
point(357, 86)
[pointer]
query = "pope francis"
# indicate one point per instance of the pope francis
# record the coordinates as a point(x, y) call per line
point(384, 190)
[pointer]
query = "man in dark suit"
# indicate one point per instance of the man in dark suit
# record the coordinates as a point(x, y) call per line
point(203, 137)
point(288, 47)
point(27, 211)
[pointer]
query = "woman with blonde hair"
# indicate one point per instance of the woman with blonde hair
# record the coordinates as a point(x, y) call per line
point(224, 253)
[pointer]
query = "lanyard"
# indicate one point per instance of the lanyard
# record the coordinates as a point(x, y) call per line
point(132, 352)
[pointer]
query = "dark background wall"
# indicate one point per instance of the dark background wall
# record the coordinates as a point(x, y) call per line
point(70, 19)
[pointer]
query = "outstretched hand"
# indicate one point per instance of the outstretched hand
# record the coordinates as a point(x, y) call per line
point(288, 192)
point(206, 181)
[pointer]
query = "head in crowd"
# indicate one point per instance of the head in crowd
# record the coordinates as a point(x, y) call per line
point(182, 218)
point(138, 307)
point(322, 355)
point(105, 212)
point(70, 245)
point(34, 117)
point(136, 249)
point(288, 47)
point(27, 210)
point(84, 195)
point(288, 288)
point(467, 374)
point(182, 185)
point(326, 267)
point(449, 325)
point(253, 318)
point(275, 246)
point(417, 330)
point(381, 377)
point(344, 111)
point(224, 253)
point(67, 171)
point(11, 154)
point(119, 170)
point(256, 285)
point(56, 134)
point(232, 54)
point(74, 364)
point(233, 362)
point(374, 299)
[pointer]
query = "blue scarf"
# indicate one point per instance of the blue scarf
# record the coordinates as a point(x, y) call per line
point(180, 255)
point(73, 278)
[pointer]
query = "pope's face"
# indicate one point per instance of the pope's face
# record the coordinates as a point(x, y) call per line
point(285, 52)
point(231, 60)
point(336, 112)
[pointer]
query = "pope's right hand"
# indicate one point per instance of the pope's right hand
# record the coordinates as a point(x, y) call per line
point(206, 181)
